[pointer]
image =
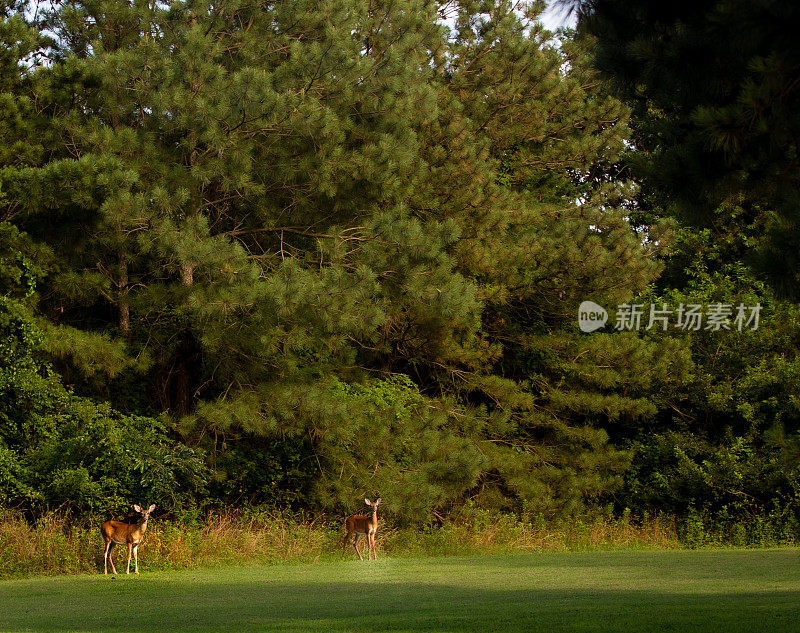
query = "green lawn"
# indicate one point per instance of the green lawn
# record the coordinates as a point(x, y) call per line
point(720, 591)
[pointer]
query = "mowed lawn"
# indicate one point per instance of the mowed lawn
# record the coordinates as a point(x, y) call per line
point(608, 591)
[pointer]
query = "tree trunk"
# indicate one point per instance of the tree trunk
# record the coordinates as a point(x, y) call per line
point(181, 375)
point(122, 297)
point(187, 274)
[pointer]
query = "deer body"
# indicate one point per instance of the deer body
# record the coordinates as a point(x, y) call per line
point(362, 525)
point(117, 533)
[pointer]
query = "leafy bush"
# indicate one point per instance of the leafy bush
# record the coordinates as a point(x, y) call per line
point(58, 450)
point(733, 491)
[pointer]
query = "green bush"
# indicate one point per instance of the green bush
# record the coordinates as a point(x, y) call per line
point(58, 450)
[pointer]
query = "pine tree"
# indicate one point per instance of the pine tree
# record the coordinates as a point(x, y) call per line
point(560, 236)
point(342, 246)
point(714, 91)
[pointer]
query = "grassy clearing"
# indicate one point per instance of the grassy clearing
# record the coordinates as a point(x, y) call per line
point(683, 591)
point(54, 546)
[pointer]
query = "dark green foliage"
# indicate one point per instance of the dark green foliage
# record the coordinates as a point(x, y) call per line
point(712, 88)
point(714, 91)
point(722, 449)
point(61, 451)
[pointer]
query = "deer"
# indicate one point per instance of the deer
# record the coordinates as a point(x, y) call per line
point(362, 525)
point(117, 533)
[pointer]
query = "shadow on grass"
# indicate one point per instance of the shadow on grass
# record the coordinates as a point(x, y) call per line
point(392, 606)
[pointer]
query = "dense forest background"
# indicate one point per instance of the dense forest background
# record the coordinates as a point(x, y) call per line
point(295, 253)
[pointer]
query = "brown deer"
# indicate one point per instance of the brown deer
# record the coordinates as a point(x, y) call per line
point(360, 525)
point(117, 533)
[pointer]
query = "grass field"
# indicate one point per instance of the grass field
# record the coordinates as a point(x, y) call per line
point(756, 590)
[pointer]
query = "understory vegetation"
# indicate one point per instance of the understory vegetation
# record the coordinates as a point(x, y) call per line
point(260, 260)
point(58, 545)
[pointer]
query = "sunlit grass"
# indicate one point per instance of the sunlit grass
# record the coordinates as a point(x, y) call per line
point(600, 591)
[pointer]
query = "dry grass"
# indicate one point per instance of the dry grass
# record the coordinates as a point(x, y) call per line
point(54, 546)
point(228, 538)
point(49, 547)
point(487, 533)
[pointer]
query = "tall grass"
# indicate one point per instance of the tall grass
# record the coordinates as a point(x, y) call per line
point(487, 533)
point(54, 545)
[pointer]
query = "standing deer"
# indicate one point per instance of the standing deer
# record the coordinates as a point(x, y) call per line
point(359, 525)
point(117, 533)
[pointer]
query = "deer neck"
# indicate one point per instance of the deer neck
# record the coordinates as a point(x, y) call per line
point(142, 526)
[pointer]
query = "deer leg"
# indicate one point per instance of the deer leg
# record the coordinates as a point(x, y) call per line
point(130, 547)
point(136, 557)
point(372, 545)
point(110, 550)
point(111, 557)
point(355, 546)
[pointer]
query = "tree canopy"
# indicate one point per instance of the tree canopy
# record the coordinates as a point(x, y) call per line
point(312, 251)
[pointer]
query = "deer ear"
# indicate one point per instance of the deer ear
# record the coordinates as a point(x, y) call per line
point(152, 507)
point(368, 502)
point(378, 501)
point(136, 507)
